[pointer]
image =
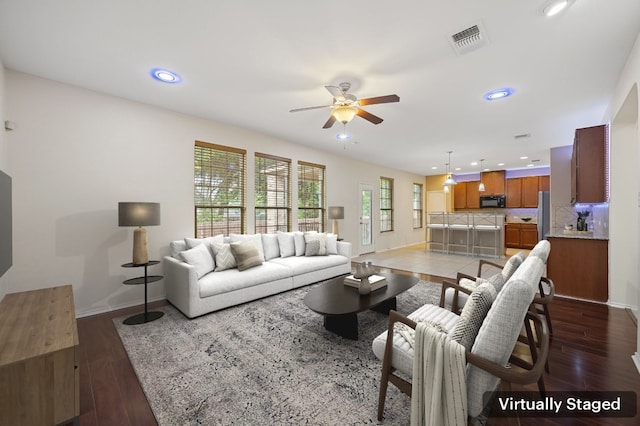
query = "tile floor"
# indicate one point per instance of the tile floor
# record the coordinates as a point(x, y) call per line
point(417, 258)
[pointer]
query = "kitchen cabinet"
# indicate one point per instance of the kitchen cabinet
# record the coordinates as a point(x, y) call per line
point(520, 235)
point(530, 188)
point(579, 267)
point(514, 193)
point(588, 165)
point(466, 195)
point(494, 182)
point(544, 183)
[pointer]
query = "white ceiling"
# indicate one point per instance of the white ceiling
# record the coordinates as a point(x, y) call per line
point(247, 63)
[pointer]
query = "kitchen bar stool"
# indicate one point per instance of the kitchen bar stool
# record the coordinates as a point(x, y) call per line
point(437, 226)
point(459, 225)
point(483, 224)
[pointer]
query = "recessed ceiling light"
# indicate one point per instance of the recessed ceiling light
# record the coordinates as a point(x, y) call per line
point(457, 169)
point(554, 7)
point(530, 165)
point(500, 164)
point(499, 94)
point(434, 168)
point(474, 163)
point(165, 76)
point(524, 157)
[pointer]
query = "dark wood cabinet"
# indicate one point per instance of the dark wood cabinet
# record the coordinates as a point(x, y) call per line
point(514, 193)
point(588, 165)
point(460, 195)
point(473, 195)
point(579, 267)
point(494, 182)
point(466, 195)
point(530, 188)
point(520, 235)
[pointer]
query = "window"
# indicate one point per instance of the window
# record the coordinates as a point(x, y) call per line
point(311, 203)
point(273, 194)
point(386, 204)
point(417, 205)
point(219, 182)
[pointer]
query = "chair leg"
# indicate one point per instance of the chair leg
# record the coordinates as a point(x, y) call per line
point(548, 318)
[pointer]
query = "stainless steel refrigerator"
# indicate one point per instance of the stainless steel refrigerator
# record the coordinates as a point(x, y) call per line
point(544, 214)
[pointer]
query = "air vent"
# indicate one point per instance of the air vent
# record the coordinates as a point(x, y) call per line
point(469, 39)
point(522, 136)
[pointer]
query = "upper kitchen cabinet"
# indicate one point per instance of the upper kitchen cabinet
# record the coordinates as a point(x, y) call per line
point(514, 193)
point(544, 183)
point(523, 192)
point(588, 165)
point(466, 195)
point(530, 188)
point(494, 182)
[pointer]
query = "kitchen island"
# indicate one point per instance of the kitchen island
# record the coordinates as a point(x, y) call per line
point(578, 264)
point(479, 234)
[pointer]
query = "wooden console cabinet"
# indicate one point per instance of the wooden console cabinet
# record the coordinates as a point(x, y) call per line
point(39, 377)
point(579, 267)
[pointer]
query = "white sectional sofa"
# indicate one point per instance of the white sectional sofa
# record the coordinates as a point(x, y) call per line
point(201, 275)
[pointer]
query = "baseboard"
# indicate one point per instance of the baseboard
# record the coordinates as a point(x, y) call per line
point(104, 309)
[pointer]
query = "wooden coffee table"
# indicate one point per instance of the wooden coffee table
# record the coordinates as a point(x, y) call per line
point(340, 304)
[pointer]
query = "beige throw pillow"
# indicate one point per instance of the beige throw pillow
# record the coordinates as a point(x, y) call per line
point(246, 254)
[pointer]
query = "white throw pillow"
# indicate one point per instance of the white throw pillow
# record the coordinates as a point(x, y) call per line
point(270, 246)
point(298, 239)
point(256, 238)
point(192, 242)
point(224, 257)
point(286, 243)
point(332, 244)
point(200, 258)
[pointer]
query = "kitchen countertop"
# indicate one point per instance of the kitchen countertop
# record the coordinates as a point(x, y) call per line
point(559, 233)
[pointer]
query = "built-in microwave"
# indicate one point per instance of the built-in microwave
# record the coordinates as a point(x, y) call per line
point(492, 201)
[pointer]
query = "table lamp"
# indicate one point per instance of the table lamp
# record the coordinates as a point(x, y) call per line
point(139, 214)
point(336, 213)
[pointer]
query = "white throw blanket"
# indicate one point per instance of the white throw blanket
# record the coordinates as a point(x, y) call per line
point(439, 386)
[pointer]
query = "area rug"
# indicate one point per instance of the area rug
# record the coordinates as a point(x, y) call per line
point(266, 362)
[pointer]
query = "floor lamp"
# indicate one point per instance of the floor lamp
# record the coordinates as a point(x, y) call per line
point(336, 213)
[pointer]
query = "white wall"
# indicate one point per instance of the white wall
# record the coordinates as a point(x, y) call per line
point(76, 153)
point(4, 159)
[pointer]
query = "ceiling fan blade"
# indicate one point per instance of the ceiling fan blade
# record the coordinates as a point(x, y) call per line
point(369, 117)
point(309, 108)
point(336, 92)
point(379, 100)
point(329, 122)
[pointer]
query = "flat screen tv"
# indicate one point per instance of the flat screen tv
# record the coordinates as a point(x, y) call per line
point(6, 251)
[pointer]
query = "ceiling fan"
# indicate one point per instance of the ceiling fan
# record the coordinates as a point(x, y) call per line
point(346, 106)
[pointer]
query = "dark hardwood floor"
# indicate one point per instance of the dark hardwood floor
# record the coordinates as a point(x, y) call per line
point(590, 350)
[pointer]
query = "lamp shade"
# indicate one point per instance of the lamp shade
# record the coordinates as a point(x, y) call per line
point(336, 212)
point(138, 214)
point(345, 113)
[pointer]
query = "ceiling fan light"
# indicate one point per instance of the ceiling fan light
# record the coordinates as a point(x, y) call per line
point(555, 7)
point(344, 113)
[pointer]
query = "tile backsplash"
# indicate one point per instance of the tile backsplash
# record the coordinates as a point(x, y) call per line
point(597, 221)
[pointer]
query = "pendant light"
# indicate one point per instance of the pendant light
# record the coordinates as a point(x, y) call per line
point(481, 186)
point(449, 180)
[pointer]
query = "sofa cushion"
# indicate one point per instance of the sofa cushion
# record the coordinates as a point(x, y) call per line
point(175, 247)
point(256, 238)
point(302, 265)
point(224, 257)
point(512, 265)
point(311, 248)
point(200, 258)
point(246, 254)
point(541, 250)
point(192, 242)
point(216, 283)
point(473, 314)
point(332, 244)
point(271, 246)
point(298, 239)
point(286, 244)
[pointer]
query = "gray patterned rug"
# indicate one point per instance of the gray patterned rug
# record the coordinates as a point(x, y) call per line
point(267, 362)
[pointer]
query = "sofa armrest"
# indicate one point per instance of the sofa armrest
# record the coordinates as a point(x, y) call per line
point(344, 249)
point(181, 284)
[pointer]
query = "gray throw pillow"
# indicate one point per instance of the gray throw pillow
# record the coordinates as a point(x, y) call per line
point(473, 314)
point(246, 254)
point(316, 236)
point(312, 248)
point(224, 257)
